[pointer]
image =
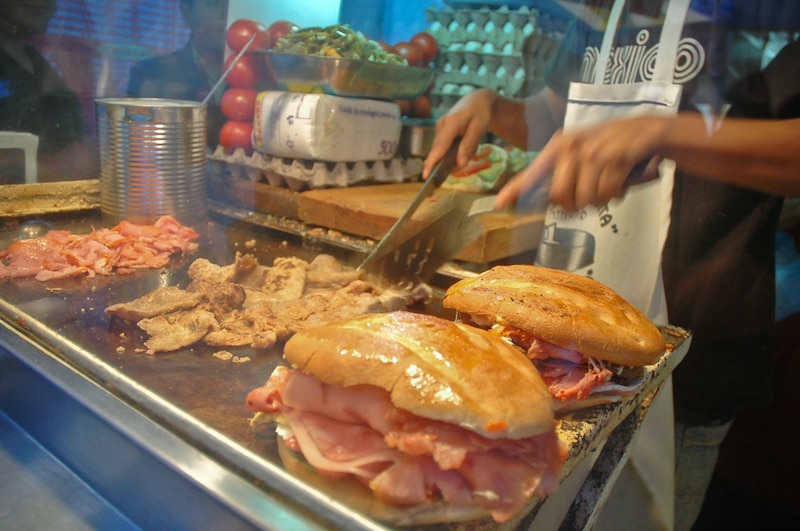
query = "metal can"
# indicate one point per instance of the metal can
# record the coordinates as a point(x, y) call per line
point(153, 159)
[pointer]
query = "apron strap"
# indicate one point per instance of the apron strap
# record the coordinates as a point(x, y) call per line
point(608, 40)
point(667, 48)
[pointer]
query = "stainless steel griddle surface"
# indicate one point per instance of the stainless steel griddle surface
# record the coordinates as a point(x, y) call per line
point(196, 395)
point(189, 392)
point(68, 318)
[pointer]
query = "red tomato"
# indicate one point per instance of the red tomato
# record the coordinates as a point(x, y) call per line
point(411, 52)
point(405, 107)
point(240, 31)
point(427, 43)
point(479, 162)
point(246, 73)
point(280, 29)
point(421, 106)
point(235, 134)
point(239, 104)
point(472, 168)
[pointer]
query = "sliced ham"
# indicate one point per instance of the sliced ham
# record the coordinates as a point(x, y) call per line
point(569, 375)
point(404, 458)
point(334, 447)
point(567, 380)
point(410, 481)
point(61, 254)
point(267, 398)
point(364, 404)
point(26, 258)
point(541, 350)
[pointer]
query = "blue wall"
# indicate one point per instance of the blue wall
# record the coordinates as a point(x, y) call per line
point(388, 20)
point(301, 12)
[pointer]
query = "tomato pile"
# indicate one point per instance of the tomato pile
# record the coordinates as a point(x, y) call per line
point(249, 75)
point(420, 50)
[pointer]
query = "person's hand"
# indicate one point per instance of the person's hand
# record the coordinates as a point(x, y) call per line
point(591, 166)
point(469, 119)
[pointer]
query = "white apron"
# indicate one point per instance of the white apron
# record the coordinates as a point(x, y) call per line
point(620, 245)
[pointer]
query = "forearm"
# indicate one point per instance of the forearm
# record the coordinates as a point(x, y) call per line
point(758, 154)
point(529, 123)
point(506, 120)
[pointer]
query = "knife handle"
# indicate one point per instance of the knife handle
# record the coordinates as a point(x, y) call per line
point(446, 164)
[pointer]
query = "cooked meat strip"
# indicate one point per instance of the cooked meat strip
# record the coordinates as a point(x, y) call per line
point(225, 297)
point(237, 330)
point(158, 302)
point(247, 304)
point(286, 279)
point(178, 329)
point(234, 330)
point(286, 317)
point(248, 272)
point(325, 272)
point(219, 298)
point(206, 271)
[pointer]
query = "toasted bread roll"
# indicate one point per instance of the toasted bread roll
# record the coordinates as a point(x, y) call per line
point(568, 310)
point(432, 367)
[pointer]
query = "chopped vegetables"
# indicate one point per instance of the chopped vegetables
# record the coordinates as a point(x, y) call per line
point(335, 41)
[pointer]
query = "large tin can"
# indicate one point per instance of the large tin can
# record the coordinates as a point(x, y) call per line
point(153, 159)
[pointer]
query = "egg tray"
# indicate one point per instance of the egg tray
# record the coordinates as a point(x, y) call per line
point(503, 29)
point(504, 48)
point(299, 174)
point(511, 75)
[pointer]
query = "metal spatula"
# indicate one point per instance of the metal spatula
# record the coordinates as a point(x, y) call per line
point(400, 256)
point(397, 234)
point(419, 257)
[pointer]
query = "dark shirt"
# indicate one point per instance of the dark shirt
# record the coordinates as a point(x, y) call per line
point(177, 76)
point(38, 102)
point(719, 257)
point(719, 267)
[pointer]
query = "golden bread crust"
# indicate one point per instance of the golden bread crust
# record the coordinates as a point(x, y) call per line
point(433, 367)
point(568, 310)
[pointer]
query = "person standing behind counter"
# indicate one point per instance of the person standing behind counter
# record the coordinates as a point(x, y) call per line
point(718, 260)
point(191, 72)
point(35, 99)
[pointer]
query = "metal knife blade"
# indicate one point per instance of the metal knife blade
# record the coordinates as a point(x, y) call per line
point(395, 236)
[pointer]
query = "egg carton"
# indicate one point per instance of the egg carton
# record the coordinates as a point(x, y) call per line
point(497, 25)
point(500, 27)
point(299, 174)
point(508, 74)
point(504, 48)
point(504, 73)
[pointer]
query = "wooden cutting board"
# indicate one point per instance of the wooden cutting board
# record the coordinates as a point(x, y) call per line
point(371, 210)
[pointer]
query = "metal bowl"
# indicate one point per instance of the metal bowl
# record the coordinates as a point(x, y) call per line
point(348, 77)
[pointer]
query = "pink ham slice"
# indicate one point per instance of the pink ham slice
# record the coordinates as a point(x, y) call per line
point(406, 459)
point(61, 254)
point(569, 375)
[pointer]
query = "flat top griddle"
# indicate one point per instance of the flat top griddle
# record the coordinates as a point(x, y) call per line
point(201, 398)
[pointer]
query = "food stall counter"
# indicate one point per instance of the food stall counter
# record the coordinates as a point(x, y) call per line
point(165, 438)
